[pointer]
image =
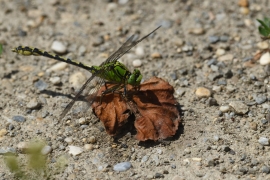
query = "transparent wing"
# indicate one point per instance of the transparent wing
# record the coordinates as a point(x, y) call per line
point(87, 86)
point(126, 47)
point(113, 58)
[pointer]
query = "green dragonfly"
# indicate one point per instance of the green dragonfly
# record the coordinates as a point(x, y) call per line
point(110, 71)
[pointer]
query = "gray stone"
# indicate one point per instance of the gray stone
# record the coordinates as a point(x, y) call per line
point(18, 118)
point(123, 166)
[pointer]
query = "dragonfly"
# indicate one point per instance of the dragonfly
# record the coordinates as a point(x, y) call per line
point(111, 71)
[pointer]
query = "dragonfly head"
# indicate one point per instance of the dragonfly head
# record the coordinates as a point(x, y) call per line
point(135, 78)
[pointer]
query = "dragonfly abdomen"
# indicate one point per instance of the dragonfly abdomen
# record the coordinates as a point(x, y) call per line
point(28, 51)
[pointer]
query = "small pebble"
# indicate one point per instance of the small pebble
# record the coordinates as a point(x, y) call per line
point(265, 169)
point(263, 45)
point(220, 52)
point(212, 61)
point(68, 140)
point(41, 85)
point(123, 166)
point(159, 151)
point(216, 88)
point(58, 47)
point(139, 51)
point(173, 76)
point(57, 67)
point(156, 55)
point(81, 50)
point(197, 31)
point(265, 59)
point(214, 68)
point(18, 118)
point(226, 57)
point(111, 7)
point(260, 99)
point(264, 141)
point(88, 146)
point(166, 23)
point(253, 126)
point(264, 121)
point(243, 3)
point(92, 139)
point(213, 39)
point(144, 159)
point(74, 150)
point(82, 120)
point(158, 175)
point(55, 80)
point(230, 88)
point(212, 102)
point(33, 104)
point(3, 132)
point(216, 138)
point(122, 2)
point(228, 74)
point(210, 162)
point(224, 38)
point(222, 82)
point(7, 150)
point(244, 10)
point(46, 150)
point(239, 107)
point(156, 159)
point(136, 63)
point(226, 148)
point(202, 92)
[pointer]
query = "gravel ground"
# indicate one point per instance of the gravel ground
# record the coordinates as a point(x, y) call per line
point(204, 50)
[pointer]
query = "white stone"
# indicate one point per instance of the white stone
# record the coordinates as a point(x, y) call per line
point(88, 146)
point(68, 140)
point(139, 51)
point(74, 150)
point(58, 47)
point(263, 45)
point(224, 108)
point(220, 52)
point(137, 63)
point(111, 7)
point(216, 88)
point(265, 59)
point(57, 67)
point(46, 150)
point(55, 80)
point(264, 141)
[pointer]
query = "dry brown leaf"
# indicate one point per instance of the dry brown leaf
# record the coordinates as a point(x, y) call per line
point(158, 116)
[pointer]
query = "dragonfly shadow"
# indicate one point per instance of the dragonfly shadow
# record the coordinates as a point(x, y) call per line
point(167, 141)
point(54, 94)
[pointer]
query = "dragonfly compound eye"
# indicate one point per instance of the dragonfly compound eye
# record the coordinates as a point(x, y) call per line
point(135, 78)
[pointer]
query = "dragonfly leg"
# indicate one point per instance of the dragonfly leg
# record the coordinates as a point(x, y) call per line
point(110, 90)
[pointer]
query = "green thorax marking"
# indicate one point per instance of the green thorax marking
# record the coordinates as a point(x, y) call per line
point(118, 73)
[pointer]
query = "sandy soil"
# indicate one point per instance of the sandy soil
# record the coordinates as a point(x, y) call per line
point(201, 44)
